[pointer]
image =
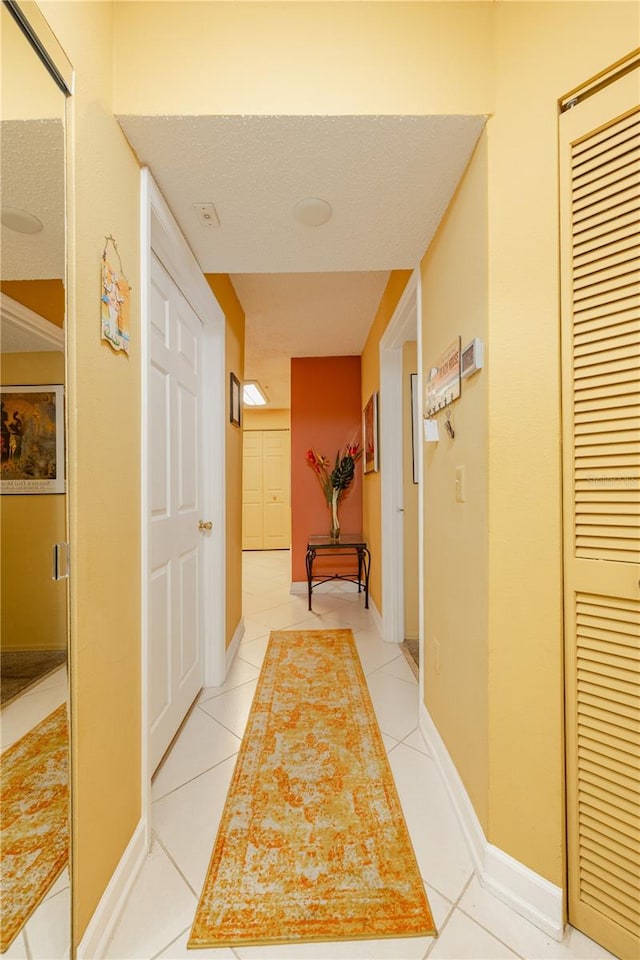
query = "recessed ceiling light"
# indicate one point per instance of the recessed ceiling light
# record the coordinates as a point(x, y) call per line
point(20, 220)
point(312, 212)
point(253, 395)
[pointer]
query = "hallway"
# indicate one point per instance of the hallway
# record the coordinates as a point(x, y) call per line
point(189, 790)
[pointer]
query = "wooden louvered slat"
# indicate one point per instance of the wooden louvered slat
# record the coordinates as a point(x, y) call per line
point(608, 180)
point(612, 167)
point(600, 258)
point(593, 619)
point(615, 725)
point(617, 834)
point(587, 149)
point(597, 407)
point(599, 687)
point(604, 603)
point(593, 274)
point(593, 317)
point(609, 853)
point(601, 896)
point(620, 893)
point(622, 829)
point(616, 149)
point(600, 235)
point(607, 205)
point(623, 883)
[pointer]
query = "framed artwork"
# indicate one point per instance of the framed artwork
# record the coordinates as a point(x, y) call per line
point(235, 400)
point(32, 452)
point(370, 434)
point(415, 426)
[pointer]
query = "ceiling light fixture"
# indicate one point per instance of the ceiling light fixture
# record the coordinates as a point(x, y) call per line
point(253, 395)
point(20, 220)
point(312, 212)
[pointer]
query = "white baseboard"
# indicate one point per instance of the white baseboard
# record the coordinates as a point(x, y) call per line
point(232, 649)
point(100, 928)
point(526, 892)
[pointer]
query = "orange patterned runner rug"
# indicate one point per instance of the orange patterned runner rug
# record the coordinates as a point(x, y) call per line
point(34, 820)
point(312, 844)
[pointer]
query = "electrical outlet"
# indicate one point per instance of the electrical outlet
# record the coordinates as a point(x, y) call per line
point(460, 485)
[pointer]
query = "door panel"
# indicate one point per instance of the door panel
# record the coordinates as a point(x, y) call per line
point(175, 594)
point(600, 196)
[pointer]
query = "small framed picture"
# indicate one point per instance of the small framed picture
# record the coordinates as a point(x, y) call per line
point(32, 439)
point(235, 400)
point(370, 434)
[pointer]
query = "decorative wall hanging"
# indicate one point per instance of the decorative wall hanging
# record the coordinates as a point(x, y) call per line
point(443, 380)
point(32, 429)
point(114, 301)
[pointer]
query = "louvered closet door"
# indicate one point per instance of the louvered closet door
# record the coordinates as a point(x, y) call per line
point(600, 198)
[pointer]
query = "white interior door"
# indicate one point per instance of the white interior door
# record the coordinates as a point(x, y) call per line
point(175, 547)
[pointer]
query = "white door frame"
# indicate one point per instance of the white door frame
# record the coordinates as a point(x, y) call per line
point(160, 233)
point(404, 325)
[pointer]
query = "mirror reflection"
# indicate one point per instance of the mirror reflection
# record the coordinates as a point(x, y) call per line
point(34, 875)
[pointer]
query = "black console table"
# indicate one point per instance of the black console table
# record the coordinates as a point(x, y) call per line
point(348, 544)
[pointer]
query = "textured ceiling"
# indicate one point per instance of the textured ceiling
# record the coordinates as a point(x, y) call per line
point(32, 166)
point(306, 291)
point(388, 180)
point(303, 315)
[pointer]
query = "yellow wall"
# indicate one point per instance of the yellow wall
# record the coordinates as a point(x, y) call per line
point(265, 419)
point(455, 534)
point(34, 607)
point(104, 477)
point(234, 363)
point(370, 374)
point(542, 50)
point(370, 58)
point(44, 297)
point(410, 498)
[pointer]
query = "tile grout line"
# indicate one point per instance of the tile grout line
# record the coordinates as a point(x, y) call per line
point(162, 949)
point(196, 777)
point(165, 850)
point(451, 912)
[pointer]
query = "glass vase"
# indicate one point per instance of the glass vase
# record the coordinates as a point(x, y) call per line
point(334, 533)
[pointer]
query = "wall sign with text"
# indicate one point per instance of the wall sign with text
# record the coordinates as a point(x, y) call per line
point(443, 380)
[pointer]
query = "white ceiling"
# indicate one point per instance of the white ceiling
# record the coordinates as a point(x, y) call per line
point(306, 291)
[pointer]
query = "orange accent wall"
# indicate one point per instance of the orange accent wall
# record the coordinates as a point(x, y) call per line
point(325, 414)
point(44, 297)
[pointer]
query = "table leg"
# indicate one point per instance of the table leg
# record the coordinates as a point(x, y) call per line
point(309, 565)
point(366, 560)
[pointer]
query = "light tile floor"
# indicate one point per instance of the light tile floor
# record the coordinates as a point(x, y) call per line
point(189, 791)
point(47, 934)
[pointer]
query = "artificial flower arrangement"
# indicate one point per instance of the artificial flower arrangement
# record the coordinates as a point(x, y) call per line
point(336, 481)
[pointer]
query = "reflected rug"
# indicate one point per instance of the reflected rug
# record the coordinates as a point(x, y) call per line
point(312, 844)
point(34, 820)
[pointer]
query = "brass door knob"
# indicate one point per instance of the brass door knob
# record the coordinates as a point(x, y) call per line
point(205, 524)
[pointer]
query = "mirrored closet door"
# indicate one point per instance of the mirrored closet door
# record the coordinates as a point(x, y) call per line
point(34, 798)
